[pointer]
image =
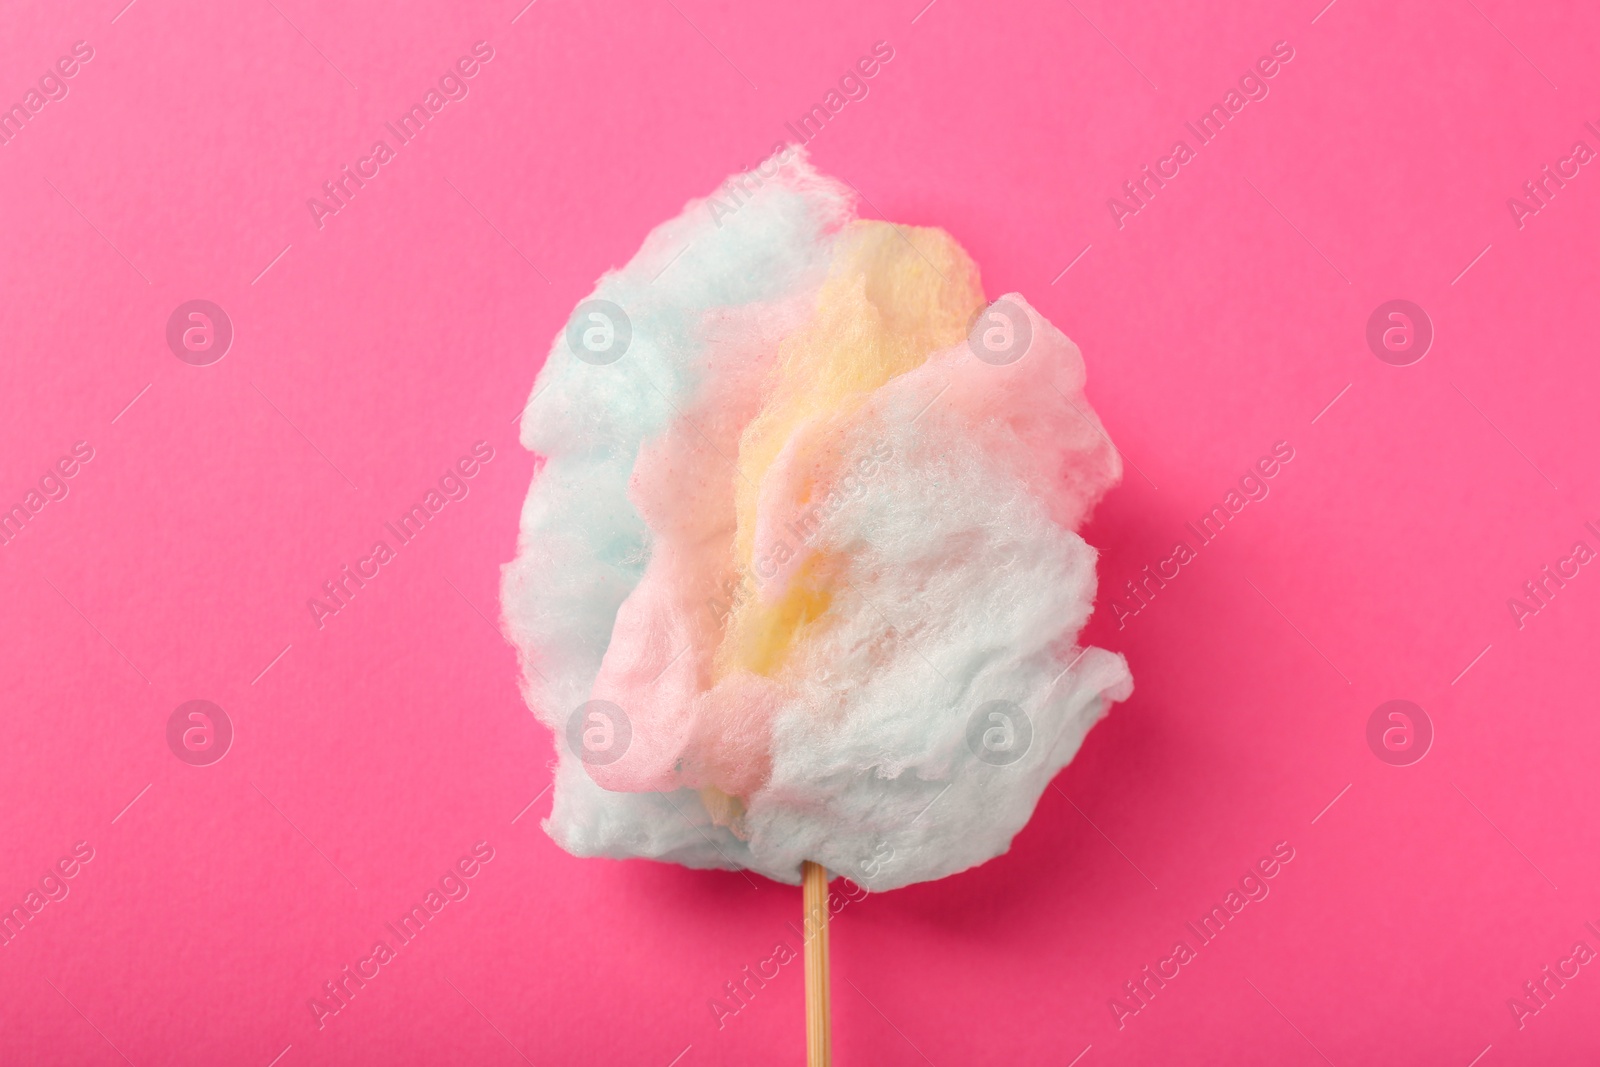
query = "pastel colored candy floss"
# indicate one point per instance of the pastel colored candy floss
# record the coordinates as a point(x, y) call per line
point(799, 577)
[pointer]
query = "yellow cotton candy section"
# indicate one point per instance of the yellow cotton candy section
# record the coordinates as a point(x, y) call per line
point(893, 296)
point(759, 635)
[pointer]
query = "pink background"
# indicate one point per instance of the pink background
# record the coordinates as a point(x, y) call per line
point(371, 754)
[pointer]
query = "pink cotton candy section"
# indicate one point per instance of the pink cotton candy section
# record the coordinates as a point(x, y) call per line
point(1028, 416)
point(658, 666)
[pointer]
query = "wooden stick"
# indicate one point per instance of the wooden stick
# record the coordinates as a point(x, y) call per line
point(819, 1029)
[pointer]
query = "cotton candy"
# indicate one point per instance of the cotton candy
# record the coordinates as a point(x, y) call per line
point(799, 577)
